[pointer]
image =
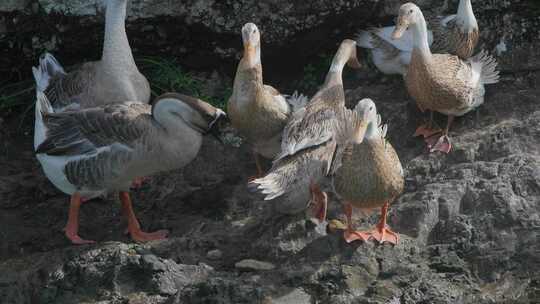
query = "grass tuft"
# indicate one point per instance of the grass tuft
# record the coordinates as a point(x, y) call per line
point(166, 75)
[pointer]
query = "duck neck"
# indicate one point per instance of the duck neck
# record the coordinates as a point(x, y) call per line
point(372, 130)
point(465, 16)
point(249, 71)
point(420, 36)
point(116, 49)
point(334, 76)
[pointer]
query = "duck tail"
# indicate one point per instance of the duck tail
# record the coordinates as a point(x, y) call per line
point(363, 39)
point(43, 106)
point(297, 100)
point(47, 69)
point(289, 175)
point(488, 66)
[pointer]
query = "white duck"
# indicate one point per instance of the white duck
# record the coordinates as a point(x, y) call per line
point(114, 78)
point(454, 34)
point(90, 152)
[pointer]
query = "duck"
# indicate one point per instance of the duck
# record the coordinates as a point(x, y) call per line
point(442, 82)
point(257, 110)
point(313, 138)
point(455, 34)
point(90, 152)
point(114, 78)
point(371, 176)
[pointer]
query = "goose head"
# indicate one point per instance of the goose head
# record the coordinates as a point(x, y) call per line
point(251, 38)
point(367, 114)
point(172, 109)
point(409, 14)
point(346, 54)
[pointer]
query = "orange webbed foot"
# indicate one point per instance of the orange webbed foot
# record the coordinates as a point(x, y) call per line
point(140, 236)
point(351, 235)
point(73, 236)
point(385, 235)
point(442, 144)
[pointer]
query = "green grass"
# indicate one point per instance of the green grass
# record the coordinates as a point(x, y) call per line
point(166, 75)
point(314, 73)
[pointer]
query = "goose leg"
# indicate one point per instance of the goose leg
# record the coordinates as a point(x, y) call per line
point(320, 202)
point(134, 227)
point(72, 227)
point(427, 130)
point(382, 232)
point(443, 143)
point(350, 234)
point(260, 172)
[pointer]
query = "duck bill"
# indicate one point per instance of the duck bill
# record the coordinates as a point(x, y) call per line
point(401, 27)
point(360, 132)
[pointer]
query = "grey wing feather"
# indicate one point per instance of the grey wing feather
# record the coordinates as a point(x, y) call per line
point(295, 173)
point(306, 130)
point(72, 133)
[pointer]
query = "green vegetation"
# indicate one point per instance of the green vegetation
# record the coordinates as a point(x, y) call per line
point(314, 73)
point(15, 95)
point(166, 75)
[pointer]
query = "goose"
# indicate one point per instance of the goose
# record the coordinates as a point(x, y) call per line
point(258, 111)
point(313, 138)
point(371, 176)
point(90, 152)
point(442, 82)
point(114, 78)
point(455, 34)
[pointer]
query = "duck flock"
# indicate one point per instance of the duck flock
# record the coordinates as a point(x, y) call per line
point(96, 133)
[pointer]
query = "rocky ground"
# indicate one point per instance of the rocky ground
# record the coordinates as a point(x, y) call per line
point(469, 221)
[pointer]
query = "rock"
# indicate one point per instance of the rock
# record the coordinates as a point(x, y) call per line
point(297, 296)
point(215, 254)
point(250, 264)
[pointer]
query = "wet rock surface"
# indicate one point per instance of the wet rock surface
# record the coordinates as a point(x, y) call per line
point(469, 221)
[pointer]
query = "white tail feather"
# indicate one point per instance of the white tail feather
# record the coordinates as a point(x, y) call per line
point(42, 106)
point(48, 67)
point(488, 66)
point(297, 100)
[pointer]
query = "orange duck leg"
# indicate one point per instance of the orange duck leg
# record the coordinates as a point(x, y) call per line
point(350, 234)
point(320, 201)
point(382, 232)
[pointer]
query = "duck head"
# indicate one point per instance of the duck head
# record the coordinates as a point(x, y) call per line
point(367, 114)
point(251, 38)
point(409, 14)
point(197, 114)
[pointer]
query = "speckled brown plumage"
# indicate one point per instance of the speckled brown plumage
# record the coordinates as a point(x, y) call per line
point(370, 175)
point(451, 39)
point(437, 83)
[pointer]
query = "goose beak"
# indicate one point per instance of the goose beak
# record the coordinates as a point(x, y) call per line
point(214, 125)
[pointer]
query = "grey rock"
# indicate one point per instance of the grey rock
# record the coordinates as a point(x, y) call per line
point(215, 254)
point(251, 264)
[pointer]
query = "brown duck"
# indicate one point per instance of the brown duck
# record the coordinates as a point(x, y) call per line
point(370, 176)
point(442, 82)
point(258, 111)
point(314, 138)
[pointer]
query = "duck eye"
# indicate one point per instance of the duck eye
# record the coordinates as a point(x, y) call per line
point(371, 108)
point(410, 11)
